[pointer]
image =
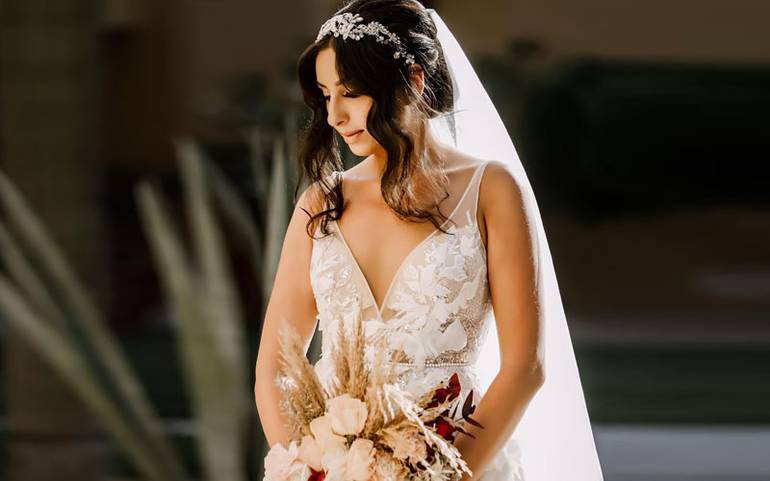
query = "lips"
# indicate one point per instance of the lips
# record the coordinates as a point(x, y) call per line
point(351, 134)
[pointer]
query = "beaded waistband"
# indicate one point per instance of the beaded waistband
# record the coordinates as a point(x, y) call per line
point(434, 364)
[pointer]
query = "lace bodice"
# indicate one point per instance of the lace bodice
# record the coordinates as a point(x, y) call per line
point(435, 309)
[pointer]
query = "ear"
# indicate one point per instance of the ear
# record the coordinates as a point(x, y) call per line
point(417, 77)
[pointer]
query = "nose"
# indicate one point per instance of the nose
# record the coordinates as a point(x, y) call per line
point(336, 113)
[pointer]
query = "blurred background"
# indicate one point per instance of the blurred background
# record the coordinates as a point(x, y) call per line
point(155, 142)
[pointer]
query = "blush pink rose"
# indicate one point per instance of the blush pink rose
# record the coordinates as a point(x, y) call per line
point(347, 414)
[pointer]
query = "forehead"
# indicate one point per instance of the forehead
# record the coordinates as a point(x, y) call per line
point(326, 68)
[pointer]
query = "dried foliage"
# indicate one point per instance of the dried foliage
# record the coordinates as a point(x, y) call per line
point(411, 439)
point(303, 397)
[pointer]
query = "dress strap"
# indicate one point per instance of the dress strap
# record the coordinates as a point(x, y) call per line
point(466, 210)
point(477, 185)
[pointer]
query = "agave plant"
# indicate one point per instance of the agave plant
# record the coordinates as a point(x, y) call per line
point(271, 182)
point(201, 289)
point(43, 299)
point(46, 303)
point(204, 299)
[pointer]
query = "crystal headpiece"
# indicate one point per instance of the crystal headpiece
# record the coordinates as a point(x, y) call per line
point(345, 24)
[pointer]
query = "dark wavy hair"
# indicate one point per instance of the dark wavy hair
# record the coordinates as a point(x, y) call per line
point(367, 67)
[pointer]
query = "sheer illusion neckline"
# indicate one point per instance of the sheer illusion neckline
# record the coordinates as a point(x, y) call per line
point(364, 280)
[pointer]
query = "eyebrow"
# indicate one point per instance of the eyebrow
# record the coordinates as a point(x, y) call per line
point(338, 82)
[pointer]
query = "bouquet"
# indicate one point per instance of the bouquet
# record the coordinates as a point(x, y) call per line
point(365, 427)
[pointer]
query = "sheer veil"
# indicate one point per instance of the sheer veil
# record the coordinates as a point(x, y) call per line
point(555, 433)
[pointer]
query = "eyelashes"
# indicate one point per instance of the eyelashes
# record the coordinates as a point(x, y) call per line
point(346, 94)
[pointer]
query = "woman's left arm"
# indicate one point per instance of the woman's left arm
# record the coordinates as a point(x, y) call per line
point(513, 287)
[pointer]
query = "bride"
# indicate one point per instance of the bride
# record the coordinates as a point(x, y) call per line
point(433, 237)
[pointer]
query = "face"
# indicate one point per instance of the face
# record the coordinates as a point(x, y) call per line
point(346, 111)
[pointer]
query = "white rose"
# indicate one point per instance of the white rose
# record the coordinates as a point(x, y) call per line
point(279, 462)
point(347, 414)
point(358, 466)
point(321, 427)
point(310, 452)
point(334, 464)
point(299, 471)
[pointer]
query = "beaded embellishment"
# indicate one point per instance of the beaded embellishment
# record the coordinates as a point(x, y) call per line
point(348, 25)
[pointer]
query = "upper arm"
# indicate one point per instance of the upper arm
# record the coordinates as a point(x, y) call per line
point(511, 269)
point(291, 299)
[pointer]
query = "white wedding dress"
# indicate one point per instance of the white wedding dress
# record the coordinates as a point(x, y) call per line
point(436, 309)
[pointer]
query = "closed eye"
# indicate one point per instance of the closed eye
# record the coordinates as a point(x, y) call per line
point(346, 94)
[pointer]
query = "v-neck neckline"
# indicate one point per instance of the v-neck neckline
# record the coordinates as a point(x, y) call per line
point(381, 308)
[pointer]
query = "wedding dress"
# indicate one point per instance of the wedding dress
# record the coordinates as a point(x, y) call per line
point(435, 312)
point(437, 308)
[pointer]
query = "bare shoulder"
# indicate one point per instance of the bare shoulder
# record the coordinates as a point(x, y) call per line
point(498, 184)
point(309, 199)
point(312, 197)
point(500, 199)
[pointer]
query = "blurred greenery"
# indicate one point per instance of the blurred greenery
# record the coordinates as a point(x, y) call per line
point(46, 303)
point(604, 139)
point(676, 384)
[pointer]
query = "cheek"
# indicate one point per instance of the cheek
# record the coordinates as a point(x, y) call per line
point(363, 112)
point(367, 143)
point(370, 142)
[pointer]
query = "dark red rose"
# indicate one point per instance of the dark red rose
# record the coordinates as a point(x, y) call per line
point(445, 429)
point(316, 475)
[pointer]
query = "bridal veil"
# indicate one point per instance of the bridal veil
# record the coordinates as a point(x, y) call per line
point(555, 433)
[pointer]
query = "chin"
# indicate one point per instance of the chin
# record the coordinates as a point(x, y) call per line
point(361, 149)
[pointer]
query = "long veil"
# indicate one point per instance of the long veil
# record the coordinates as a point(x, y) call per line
point(554, 434)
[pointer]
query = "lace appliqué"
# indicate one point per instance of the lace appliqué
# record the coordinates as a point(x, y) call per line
point(337, 296)
point(441, 300)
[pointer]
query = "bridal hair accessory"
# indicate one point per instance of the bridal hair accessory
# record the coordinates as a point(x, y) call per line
point(345, 24)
